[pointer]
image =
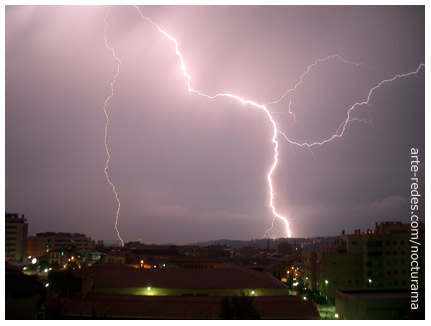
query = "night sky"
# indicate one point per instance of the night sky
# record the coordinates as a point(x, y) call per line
point(188, 168)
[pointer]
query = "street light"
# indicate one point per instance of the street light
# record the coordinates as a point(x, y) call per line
point(369, 282)
point(326, 292)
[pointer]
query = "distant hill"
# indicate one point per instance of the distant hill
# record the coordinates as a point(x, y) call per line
point(307, 243)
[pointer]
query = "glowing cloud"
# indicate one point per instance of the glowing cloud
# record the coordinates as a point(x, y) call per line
point(264, 107)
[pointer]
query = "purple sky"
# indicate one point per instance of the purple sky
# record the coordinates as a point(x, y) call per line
point(192, 169)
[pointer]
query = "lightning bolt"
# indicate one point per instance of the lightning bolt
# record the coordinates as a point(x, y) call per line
point(243, 101)
point(308, 70)
point(342, 128)
point(338, 133)
point(107, 126)
point(304, 74)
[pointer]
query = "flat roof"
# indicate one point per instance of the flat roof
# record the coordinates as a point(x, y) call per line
point(177, 307)
point(377, 294)
point(227, 276)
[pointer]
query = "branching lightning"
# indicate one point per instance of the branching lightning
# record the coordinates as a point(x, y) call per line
point(304, 74)
point(338, 133)
point(243, 101)
point(315, 63)
point(342, 128)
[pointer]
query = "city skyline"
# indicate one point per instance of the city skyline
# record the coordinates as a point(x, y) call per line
point(191, 169)
point(217, 242)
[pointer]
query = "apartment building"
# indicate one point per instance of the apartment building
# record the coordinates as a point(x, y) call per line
point(16, 229)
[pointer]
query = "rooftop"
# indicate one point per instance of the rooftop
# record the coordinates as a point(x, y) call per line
point(387, 227)
point(130, 307)
point(227, 276)
point(61, 234)
point(376, 294)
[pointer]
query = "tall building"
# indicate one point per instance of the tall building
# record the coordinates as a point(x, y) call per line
point(284, 248)
point(386, 256)
point(309, 261)
point(16, 230)
point(372, 304)
point(339, 264)
point(378, 259)
point(45, 242)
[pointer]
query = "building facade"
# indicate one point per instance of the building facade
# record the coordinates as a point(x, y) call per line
point(375, 304)
point(16, 230)
point(309, 261)
point(45, 242)
point(386, 256)
point(376, 259)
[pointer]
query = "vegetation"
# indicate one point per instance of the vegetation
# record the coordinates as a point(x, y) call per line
point(239, 308)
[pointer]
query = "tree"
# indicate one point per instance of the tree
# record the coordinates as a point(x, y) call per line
point(239, 308)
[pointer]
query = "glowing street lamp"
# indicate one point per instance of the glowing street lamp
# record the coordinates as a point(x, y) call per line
point(326, 292)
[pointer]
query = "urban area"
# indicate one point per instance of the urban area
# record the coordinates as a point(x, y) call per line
point(367, 274)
